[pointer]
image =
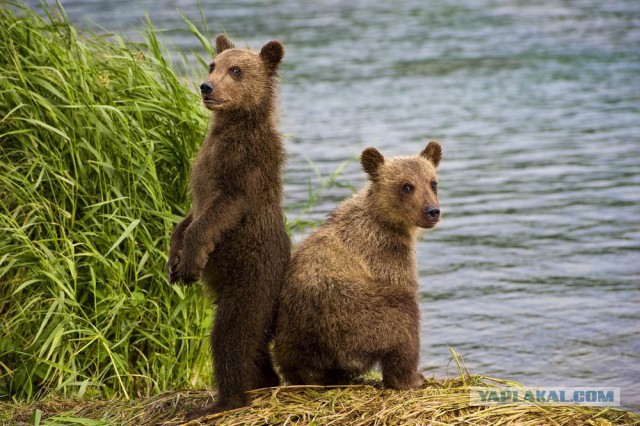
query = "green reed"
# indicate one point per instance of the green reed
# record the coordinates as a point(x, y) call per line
point(96, 138)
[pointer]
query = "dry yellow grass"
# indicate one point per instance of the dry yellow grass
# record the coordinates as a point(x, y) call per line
point(438, 402)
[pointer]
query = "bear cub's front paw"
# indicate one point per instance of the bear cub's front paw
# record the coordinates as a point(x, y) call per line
point(418, 381)
point(414, 381)
point(182, 269)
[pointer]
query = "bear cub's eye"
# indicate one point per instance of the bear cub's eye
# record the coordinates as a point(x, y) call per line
point(407, 188)
point(434, 186)
point(211, 67)
point(235, 71)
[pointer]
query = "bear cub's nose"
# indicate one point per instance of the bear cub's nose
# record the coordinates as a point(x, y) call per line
point(432, 212)
point(206, 88)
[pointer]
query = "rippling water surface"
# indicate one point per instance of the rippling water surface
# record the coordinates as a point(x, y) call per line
point(534, 273)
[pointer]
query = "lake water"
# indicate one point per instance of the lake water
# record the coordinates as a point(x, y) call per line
point(534, 273)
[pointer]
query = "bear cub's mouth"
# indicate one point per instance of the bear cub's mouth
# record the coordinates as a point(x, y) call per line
point(210, 101)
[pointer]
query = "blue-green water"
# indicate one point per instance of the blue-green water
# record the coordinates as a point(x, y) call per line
point(534, 273)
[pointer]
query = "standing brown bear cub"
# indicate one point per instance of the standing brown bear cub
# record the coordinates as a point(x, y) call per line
point(350, 294)
point(233, 237)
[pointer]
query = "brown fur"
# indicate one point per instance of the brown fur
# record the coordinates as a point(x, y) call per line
point(234, 238)
point(350, 294)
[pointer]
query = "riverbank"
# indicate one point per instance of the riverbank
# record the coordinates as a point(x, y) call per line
point(437, 402)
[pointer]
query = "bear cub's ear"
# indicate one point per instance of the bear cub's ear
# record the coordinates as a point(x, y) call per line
point(272, 53)
point(222, 44)
point(371, 160)
point(433, 153)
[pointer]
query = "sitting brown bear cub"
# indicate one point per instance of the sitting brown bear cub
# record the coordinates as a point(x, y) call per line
point(234, 238)
point(350, 295)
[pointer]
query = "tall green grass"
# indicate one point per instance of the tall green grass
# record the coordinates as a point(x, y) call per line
point(96, 139)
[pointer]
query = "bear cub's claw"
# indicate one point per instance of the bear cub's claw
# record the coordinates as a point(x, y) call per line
point(217, 407)
point(180, 271)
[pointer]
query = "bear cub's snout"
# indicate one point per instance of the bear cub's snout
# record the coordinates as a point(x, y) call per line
point(432, 212)
point(206, 88)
